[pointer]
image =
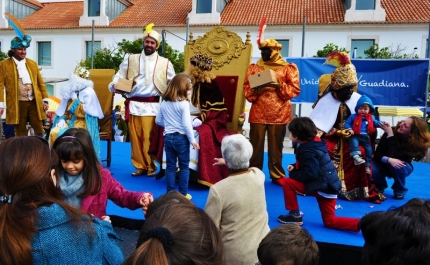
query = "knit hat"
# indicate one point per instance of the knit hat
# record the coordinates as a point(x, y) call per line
point(345, 74)
point(150, 33)
point(364, 100)
point(22, 40)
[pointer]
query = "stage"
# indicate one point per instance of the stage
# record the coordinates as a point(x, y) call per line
point(336, 247)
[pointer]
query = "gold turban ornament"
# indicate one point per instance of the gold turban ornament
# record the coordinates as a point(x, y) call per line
point(149, 32)
point(345, 74)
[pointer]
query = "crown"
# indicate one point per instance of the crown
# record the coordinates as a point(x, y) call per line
point(202, 61)
point(82, 72)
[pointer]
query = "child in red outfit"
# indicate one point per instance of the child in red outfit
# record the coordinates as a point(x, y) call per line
point(313, 174)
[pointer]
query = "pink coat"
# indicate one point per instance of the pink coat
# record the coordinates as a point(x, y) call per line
point(113, 190)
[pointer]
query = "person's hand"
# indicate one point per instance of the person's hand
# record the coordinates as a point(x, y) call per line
point(257, 90)
point(196, 146)
point(396, 163)
point(219, 162)
point(196, 123)
point(146, 199)
point(290, 168)
point(386, 127)
point(273, 84)
point(351, 131)
point(106, 218)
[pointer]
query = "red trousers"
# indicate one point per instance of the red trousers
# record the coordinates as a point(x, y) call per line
point(327, 206)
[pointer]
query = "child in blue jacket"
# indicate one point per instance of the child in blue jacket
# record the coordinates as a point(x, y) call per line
point(361, 125)
point(312, 174)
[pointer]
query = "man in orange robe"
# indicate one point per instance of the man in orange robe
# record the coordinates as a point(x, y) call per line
point(271, 107)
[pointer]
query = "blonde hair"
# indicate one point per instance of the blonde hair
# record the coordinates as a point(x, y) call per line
point(178, 88)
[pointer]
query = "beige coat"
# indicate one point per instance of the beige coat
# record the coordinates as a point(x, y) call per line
point(237, 205)
point(9, 81)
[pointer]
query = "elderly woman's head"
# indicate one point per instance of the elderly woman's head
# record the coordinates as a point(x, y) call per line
point(236, 150)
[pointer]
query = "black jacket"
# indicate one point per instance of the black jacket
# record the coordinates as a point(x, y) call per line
point(315, 168)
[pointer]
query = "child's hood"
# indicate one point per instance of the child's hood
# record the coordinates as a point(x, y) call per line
point(364, 100)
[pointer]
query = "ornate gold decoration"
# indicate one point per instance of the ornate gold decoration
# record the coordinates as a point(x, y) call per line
point(220, 44)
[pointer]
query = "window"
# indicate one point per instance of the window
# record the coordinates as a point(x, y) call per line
point(359, 46)
point(285, 47)
point(89, 47)
point(44, 53)
point(365, 5)
point(49, 89)
point(204, 6)
point(93, 8)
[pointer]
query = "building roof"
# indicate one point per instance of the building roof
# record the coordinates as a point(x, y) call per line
point(173, 13)
point(55, 15)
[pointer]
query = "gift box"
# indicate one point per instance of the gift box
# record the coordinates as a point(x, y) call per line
point(262, 78)
point(124, 85)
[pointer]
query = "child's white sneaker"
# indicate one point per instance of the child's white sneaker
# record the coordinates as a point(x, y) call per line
point(358, 160)
point(368, 170)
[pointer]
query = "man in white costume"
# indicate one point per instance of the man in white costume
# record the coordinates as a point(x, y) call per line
point(150, 74)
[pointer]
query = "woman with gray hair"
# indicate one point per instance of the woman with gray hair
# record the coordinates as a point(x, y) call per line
point(242, 227)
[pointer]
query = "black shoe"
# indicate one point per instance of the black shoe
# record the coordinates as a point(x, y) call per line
point(290, 219)
point(399, 196)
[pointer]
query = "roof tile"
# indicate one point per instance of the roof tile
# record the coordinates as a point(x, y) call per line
point(173, 13)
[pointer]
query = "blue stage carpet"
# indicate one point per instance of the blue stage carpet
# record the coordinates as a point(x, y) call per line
point(417, 183)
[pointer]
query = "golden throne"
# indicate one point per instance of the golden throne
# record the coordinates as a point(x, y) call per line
point(231, 58)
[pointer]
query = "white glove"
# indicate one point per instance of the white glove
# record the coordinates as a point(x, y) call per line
point(197, 123)
point(61, 124)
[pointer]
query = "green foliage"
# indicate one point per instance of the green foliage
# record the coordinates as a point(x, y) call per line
point(104, 59)
point(329, 48)
point(176, 57)
point(112, 58)
point(3, 56)
point(375, 52)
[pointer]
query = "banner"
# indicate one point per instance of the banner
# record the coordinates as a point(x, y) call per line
point(387, 82)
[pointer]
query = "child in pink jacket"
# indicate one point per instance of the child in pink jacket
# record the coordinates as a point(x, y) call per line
point(88, 186)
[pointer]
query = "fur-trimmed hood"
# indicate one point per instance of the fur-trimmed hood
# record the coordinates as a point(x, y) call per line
point(75, 84)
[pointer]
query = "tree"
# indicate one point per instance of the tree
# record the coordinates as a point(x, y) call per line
point(329, 48)
point(3, 56)
point(111, 58)
point(374, 52)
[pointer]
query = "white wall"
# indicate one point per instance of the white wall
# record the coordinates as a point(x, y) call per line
point(68, 46)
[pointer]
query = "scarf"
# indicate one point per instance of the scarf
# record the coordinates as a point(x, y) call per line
point(72, 187)
point(276, 61)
